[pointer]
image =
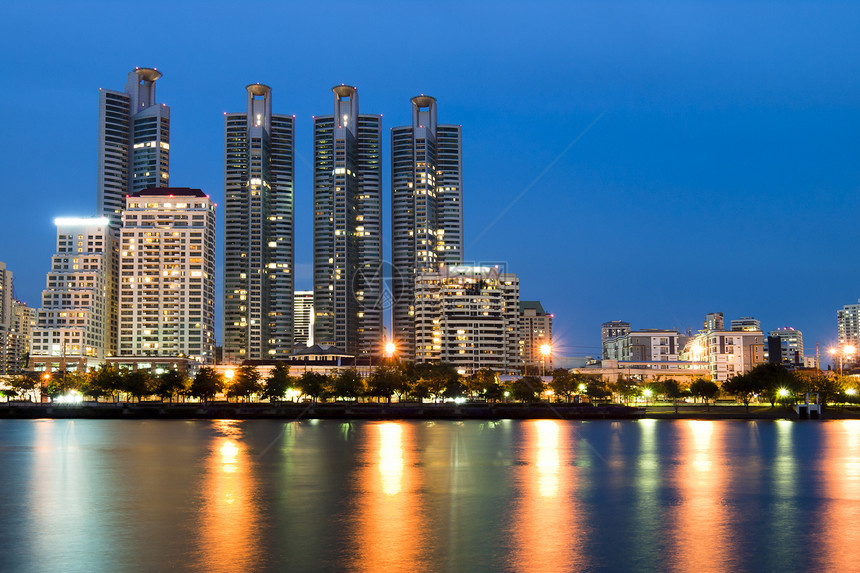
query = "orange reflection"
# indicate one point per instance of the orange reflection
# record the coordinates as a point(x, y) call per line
point(701, 537)
point(839, 535)
point(545, 525)
point(229, 516)
point(389, 530)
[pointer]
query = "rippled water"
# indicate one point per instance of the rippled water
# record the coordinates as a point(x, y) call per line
point(97, 495)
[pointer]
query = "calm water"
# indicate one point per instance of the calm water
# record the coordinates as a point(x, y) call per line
point(92, 495)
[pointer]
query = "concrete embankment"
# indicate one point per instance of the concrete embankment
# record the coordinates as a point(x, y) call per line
point(337, 411)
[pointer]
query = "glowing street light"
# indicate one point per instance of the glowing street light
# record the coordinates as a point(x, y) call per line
point(545, 350)
point(229, 374)
point(390, 349)
point(783, 392)
point(847, 350)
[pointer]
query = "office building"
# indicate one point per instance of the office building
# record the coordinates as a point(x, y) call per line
point(745, 324)
point(258, 231)
point(848, 327)
point(303, 313)
point(134, 142)
point(535, 333)
point(348, 295)
point(785, 346)
point(714, 321)
point(76, 327)
point(426, 207)
point(612, 329)
point(468, 316)
point(167, 275)
point(646, 345)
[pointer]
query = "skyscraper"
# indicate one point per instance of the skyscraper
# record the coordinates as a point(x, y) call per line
point(426, 208)
point(134, 142)
point(77, 326)
point(348, 227)
point(167, 276)
point(303, 314)
point(259, 232)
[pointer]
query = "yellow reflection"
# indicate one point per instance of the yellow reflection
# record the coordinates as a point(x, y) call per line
point(840, 536)
point(390, 530)
point(545, 525)
point(547, 457)
point(391, 458)
point(701, 479)
point(229, 516)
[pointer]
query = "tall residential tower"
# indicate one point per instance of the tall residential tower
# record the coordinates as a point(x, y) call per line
point(348, 296)
point(134, 142)
point(258, 231)
point(426, 208)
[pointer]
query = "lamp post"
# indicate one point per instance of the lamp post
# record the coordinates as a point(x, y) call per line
point(545, 350)
point(843, 351)
point(390, 350)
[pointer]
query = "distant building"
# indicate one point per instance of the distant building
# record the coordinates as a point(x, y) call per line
point(785, 346)
point(258, 230)
point(535, 332)
point(303, 313)
point(745, 324)
point(77, 320)
point(348, 295)
point(714, 321)
point(649, 345)
point(468, 316)
point(167, 275)
point(727, 353)
point(134, 142)
point(848, 325)
point(612, 329)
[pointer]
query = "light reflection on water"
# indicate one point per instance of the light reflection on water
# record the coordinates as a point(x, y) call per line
point(524, 496)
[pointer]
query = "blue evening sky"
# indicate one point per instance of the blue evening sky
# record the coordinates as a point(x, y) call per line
point(721, 175)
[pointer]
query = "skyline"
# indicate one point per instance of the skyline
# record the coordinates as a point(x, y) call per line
point(699, 124)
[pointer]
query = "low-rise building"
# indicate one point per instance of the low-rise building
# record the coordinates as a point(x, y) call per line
point(535, 334)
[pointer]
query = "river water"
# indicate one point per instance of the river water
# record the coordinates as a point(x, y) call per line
point(103, 495)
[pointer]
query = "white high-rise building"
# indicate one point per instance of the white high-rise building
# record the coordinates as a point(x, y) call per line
point(134, 142)
point(535, 332)
point(167, 275)
point(848, 325)
point(258, 231)
point(785, 346)
point(5, 296)
point(77, 321)
point(468, 316)
point(348, 295)
point(303, 311)
point(426, 207)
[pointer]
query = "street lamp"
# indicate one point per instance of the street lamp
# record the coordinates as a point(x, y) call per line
point(545, 350)
point(390, 349)
point(846, 350)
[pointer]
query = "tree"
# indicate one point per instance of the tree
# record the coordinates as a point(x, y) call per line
point(312, 384)
point(828, 388)
point(206, 384)
point(171, 383)
point(672, 389)
point(106, 380)
point(419, 389)
point(627, 388)
point(526, 388)
point(770, 378)
point(596, 388)
point(705, 389)
point(742, 387)
point(138, 383)
point(478, 382)
point(19, 387)
point(385, 381)
point(348, 384)
point(246, 382)
point(564, 383)
point(455, 388)
point(278, 382)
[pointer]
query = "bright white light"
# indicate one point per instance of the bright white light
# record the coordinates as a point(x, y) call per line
point(459, 400)
point(72, 397)
point(851, 391)
point(80, 221)
point(783, 392)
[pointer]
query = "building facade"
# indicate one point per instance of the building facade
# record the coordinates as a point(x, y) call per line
point(646, 345)
point(134, 142)
point(259, 233)
point(785, 346)
point(77, 322)
point(848, 325)
point(348, 293)
point(535, 332)
point(468, 316)
point(303, 311)
point(612, 329)
point(167, 275)
point(745, 323)
point(426, 208)
point(727, 353)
